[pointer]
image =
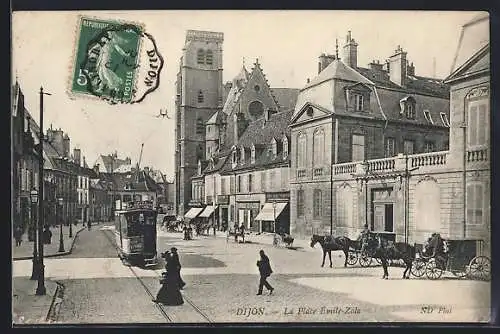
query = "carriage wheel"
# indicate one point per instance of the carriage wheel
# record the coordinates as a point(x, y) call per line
point(418, 268)
point(432, 271)
point(480, 268)
point(352, 258)
point(364, 260)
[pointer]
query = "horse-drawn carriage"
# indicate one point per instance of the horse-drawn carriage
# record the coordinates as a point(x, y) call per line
point(460, 257)
point(365, 255)
point(282, 240)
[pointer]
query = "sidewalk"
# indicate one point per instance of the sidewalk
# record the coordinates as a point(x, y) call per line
point(28, 308)
point(25, 251)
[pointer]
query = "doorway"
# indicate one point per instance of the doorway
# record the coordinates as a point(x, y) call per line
point(383, 217)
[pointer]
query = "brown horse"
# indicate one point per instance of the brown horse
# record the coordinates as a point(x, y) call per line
point(386, 251)
point(329, 243)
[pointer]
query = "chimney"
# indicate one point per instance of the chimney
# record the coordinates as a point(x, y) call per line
point(128, 161)
point(351, 51)
point(77, 155)
point(83, 164)
point(324, 61)
point(376, 66)
point(96, 169)
point(308, 80)
point(410, 70)
point(66, 145)
point(57, 141)
point(397, 67)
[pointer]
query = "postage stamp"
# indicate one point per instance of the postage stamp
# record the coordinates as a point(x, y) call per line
point(115, 61)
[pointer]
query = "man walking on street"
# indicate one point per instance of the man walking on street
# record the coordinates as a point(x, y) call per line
point(18, 235)
point(89, 224)
point(265, 271)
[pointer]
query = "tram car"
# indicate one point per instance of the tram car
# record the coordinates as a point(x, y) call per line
point(135, 232)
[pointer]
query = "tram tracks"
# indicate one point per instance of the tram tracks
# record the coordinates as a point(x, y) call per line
point(200, 315)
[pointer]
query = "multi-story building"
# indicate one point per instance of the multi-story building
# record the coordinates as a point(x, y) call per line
point(349, 113)
point(100, 192)
point(414, 195)
point(199, 94)
point(110, 162)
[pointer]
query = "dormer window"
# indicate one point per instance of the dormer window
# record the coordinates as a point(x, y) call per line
point(199, 167)
point(234, 158)
point(309, 111)
point(252, 154)
point(358, 102)
point(274, 148)
point(428, 116)
point(285, 148)
point(408, 107)
point(444, 119)
point(211, 164)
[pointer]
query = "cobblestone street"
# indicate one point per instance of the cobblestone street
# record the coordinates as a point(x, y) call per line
point(222, 281)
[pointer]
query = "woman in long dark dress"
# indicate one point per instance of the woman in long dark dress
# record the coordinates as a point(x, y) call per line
point(169, 293)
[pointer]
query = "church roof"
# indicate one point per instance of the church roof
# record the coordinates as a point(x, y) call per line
point(239, 83)
point(286, 97)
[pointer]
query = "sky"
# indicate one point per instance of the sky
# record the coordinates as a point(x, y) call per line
point(287, 44)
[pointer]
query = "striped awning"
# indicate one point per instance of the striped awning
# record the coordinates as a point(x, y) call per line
point(193, 212)
point(270, 213)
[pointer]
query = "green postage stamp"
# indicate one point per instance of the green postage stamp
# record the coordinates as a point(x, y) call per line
point(114, 61)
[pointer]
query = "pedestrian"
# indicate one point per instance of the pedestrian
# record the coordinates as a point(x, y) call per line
point(242, 231)
point(89, 225)
point(47, 235)
point(169, 293)
point(235, 232)
point(265, 271)
point(18, 235)
point(176, 265)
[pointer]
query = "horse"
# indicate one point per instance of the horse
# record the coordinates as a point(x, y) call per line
point(329, 244)
point(395, 251)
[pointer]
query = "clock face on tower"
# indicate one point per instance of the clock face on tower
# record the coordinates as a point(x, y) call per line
point(256, 109)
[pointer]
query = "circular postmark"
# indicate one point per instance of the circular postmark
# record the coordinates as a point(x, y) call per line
point(119, 64)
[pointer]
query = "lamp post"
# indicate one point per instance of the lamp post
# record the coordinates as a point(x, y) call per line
point(35, 271)
point(40, 289)
point(61, 240)
point(274, 217)
point(70, 229)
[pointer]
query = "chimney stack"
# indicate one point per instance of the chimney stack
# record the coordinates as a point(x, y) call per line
point(397, 67)
point(96, 169)
point(83, 163)
point(410, 71)
point(350, 51)
point(324, 61)
point(77, 155)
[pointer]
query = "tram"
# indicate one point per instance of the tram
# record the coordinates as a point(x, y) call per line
point(135, 233)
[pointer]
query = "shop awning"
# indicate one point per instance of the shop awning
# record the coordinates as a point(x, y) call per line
point(268, 213)
point(208, 211)
point(192, 213)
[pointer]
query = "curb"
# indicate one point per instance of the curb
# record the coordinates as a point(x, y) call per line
point(55, 305)
point(56, 254)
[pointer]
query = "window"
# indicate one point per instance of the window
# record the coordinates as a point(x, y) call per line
point(234, 160)
point(478, 126)
point(410, 109)
point(209, 58)
point(428, 116)
point(238, 183)
point(200, 97)
point(318, 147)
point(285, 148)
point(408, 147)
point(444, 119)
point(200, 127)
point(358, 102)
point(256, 109)
point(300, 203)
point(390, 147)
point(242, 154)
point(252, 154)
point(429, 146)
point(257, 88)
point(274, 147)
point(475, 203)
point(250, 180)
point(263, 181)
point(79, 198)
point(358, 148)
point(200, 56)
point(317, 203)
point(223, 186)
point(272, 179)
point(301, 151)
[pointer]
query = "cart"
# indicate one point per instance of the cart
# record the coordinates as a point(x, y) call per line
point(463, 259)
point(366, 257)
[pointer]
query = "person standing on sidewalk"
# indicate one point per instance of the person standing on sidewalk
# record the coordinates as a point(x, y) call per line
point(265, 271)
point(176, 265)
point(18, 235)
point(89, 224)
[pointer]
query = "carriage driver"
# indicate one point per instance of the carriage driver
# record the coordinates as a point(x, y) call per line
point(364, 236)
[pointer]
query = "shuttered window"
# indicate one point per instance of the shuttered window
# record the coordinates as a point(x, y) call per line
point(478, 126)
point(475, 203)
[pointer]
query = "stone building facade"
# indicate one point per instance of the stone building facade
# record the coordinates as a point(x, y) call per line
point(349, 113)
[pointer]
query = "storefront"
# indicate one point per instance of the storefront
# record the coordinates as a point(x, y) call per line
point(275, 214)
point(192, 213)
point(246, 213)
point(209, 216)
point(223, 212)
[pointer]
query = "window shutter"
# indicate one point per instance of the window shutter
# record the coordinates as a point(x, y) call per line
point(472, 125)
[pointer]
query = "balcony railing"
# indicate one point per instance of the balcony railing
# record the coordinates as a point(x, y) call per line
point(477, 155)
point(345, 168)
point(428, 159)
point(318, 171)
point(301, 173)
point(384, 164)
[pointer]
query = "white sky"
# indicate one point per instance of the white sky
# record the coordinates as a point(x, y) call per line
point(287, 44)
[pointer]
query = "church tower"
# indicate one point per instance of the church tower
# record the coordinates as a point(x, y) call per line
point(199, 94)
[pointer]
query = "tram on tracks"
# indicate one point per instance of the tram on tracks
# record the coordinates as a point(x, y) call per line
point(135, 233)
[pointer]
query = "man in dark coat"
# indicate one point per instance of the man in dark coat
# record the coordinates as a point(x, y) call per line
point(265, 271)
point(176, 265)
point(169, 293)
point(18, 235)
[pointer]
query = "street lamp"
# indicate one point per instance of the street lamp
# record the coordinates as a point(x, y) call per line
point(36, 268)
point(70, 230)
point(274, 217)
point(61, 240)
